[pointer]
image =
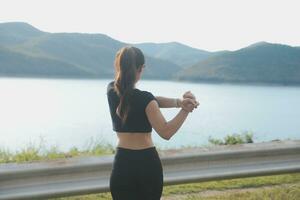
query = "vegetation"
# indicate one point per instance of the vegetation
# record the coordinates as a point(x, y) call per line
point(178, 53)
point(32, 152)
point(290, 192)
point(27, 51)
point(245, 137)
point(265, 188)
point(258, 63)
point(95, 147)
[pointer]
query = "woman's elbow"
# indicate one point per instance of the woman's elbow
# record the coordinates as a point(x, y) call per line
point(165, 135)
point(164, 131)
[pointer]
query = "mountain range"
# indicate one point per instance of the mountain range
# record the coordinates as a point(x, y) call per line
point(261, 62)
point(28, 51)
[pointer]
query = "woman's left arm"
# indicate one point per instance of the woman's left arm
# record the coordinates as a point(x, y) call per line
point(165, 102)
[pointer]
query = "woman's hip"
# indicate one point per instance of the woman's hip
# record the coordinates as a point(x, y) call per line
point(137, 160)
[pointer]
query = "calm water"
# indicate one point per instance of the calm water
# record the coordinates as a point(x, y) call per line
point(70, 113)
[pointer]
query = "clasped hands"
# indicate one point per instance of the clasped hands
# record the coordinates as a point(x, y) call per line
point(189, 102)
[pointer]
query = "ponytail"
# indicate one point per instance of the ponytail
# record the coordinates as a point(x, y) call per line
point(127, 62)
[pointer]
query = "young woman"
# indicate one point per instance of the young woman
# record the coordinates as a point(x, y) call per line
point(137, 172)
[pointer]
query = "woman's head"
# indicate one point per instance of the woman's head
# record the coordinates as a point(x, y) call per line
point(129, 63)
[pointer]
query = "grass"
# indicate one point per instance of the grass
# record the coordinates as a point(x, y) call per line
point(95, 147)
point(282, 192)
point(39, 152)
point(277, 187)
point(253, 182)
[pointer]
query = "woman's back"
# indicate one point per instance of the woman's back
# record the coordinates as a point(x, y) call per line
point(137, 120)
point(136, 132)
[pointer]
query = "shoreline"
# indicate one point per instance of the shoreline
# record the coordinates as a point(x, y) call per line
point(213, 82)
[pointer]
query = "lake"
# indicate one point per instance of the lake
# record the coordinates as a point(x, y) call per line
point(71, 112)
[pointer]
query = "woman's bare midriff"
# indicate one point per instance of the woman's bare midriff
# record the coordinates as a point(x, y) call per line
point(134, 140)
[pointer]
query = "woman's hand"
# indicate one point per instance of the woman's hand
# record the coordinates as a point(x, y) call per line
point(188, 94)
point(189, 102)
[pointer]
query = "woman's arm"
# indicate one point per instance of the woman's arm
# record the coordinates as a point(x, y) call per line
point(166, 129)
point(165, 102)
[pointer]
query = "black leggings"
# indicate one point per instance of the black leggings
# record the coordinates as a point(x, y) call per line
point(136, 175)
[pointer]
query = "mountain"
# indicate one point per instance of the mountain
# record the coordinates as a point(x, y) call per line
point(17, 64)
point(28, 51)
point(180, 54)
point(13, 33)
point(261, 62)
point(91, 54)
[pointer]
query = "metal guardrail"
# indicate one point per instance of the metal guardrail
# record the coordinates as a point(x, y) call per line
point(88, 175)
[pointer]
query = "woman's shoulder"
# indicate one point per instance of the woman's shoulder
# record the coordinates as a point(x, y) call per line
point(143, 92)
point(137, 91)
point(110, 86)
point(111, 83)
point(147, 96)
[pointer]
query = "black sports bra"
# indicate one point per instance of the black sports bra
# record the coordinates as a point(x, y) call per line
point(137, 120)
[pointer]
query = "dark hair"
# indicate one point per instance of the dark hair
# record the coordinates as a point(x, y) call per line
point(127, 62)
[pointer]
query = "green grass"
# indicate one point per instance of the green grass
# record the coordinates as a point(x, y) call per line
point(39, 152)
point(290, 192)
point(95, 147)
point(286, 186)
point(253, 182)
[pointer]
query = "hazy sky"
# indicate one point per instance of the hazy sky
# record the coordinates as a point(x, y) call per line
point(207, 24)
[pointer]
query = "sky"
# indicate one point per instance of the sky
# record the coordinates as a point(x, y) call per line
point(204, 24)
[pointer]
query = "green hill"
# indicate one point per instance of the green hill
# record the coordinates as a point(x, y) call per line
point(93, 54)
point(13, 33)
point(17, 64)
point(259, 63)
point(175, 52)
point(27, 51)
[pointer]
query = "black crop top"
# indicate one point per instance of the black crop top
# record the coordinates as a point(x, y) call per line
point(137, 120)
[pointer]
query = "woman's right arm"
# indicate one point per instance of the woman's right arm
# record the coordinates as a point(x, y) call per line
point(165, 129)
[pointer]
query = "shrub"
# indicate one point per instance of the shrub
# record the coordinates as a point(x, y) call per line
point(246, 137)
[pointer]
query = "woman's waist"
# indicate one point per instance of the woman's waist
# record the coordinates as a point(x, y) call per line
point(135, 140)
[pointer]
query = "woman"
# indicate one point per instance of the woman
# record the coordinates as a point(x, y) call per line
point(137, 172)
